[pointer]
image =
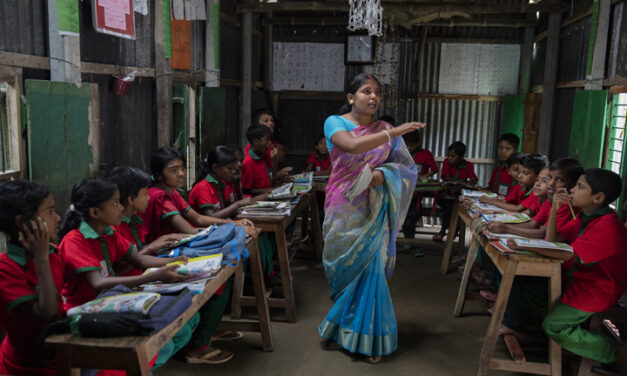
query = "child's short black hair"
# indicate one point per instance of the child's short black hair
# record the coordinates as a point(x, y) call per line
point(320, 137)
point(130, 181)
point(458, 148)
point(535, 161)
point(256, 132)
point(511, 139)
point(221, 155)
point(259, 113)
point(606, 181)
point(514, 159)
point(19, 197)
point(161, 158)
point(569, 167)
point(86, 194)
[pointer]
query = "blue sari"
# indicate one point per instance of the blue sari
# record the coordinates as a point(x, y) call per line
point(360, 247)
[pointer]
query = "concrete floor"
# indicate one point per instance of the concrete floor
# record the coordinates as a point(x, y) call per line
point(431, 341)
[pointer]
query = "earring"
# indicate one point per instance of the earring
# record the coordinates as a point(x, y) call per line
point(351, 102)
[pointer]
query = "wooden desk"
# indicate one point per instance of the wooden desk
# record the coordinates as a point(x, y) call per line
point(133, 354)
point(277, 225)
point(510, 266)
point(320, 185)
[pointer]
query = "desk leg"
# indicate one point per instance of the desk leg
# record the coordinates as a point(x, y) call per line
point(462, 234)
point(316, 232)
point(238, 287)
point(463, 287)
point(446, 256)
point(497, 316)
point(260, 297)
point(64, 365)
point(286, 274)
point(143, 364)
point(555, 292)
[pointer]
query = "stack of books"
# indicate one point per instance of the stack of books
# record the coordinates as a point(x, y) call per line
point(302, 183)
point(267, 208)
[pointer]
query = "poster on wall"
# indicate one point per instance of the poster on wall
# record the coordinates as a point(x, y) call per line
point(481, 69)
point(114, 17)
point(308, 66)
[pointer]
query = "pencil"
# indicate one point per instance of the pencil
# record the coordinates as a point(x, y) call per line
point(571, 210)
point(483, 216)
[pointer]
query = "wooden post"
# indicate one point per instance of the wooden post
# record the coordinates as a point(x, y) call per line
point(246, 88)
point(268, 49)
point(594, 80)
point(212, 44)
point(163, 77)
point(551, 63)
point(65, 50)
point(526, 53)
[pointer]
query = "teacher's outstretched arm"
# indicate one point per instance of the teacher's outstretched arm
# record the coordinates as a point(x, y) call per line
point(357, 145)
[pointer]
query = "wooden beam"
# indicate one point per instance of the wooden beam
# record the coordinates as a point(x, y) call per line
point(570, 84)
point(227, 18)
point(473, 40)
point(618, 89)
point(461, 97)
point(64, 50)
point(475, 8)
point(526, 53)
point(335, 21)
point(212, 43)
point(163, 77)
point(551, 62)
point(94, 130)
point(116, 70)
point(246, 69)
point(26, 61)
point(238, 83)
point(594, 81)
point(267, 55)
point(312, 95)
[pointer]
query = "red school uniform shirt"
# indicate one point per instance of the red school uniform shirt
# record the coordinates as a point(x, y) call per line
point(464, 171)
point(599, 274)
point(501, 181)
point(517, 194)
point(255, 173)
point(267, 159)
point(563, 214)
point(130, 229)
point(19, 284)
point(210, 193)
point(161, 207)
point(425, 164)
point(533, 203)
point(319, 164)
point(83, 250)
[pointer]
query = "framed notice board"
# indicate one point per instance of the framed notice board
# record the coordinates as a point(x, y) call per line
point(114, 17)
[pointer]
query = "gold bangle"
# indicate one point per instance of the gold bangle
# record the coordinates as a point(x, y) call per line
point(387, 134)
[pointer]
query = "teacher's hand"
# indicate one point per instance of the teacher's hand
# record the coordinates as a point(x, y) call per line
point(377, 179)
point(408, 128)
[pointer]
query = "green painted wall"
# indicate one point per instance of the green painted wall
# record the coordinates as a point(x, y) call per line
point(513, 115)
point(587, 134)
point(58, 130)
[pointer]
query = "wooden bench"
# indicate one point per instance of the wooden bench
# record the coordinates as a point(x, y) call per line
point(133, 354)
point(510, 266)
point(277, 225)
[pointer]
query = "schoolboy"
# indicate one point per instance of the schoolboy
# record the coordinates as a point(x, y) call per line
point(530, 167)
point(500, 179)
point(563, 173)
point(457, 169)
point(319, 162)
point(599, 275)
point(256, 177)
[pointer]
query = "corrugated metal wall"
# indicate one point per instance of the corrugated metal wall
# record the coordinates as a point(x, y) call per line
point(23, 27)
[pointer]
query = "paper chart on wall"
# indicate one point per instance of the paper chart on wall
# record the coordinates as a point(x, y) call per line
point(308, 66)
point(484, 69)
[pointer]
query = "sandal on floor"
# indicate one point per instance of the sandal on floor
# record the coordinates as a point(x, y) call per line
point(438, 237)
point(214, 357)
point(227, 335)
point(488, 295)
point(374, 359)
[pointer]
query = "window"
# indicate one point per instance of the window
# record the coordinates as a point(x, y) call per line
point(616, 160)
point(10, 141)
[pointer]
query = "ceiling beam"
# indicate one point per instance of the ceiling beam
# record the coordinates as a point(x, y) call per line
point(338, 21)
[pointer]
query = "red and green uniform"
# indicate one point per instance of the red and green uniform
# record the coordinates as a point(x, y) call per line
point(319, 164)
point(533, 203)
point(255, 173)
point(598, 279)
point(161, 207)
point(501, 181)
point(267, 159)
point(18, 284)
point(517, 194)
point(130, 229)
point(464, 171)
point(563, 214)
point(211, 193)
point(84, 250)
point(425, 163)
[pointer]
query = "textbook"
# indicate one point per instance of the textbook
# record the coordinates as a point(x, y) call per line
point(267, 208)
point(196, 287)
point(494, 236)
point(285, 191)
point(476, 194)
point(302, 183)
point(360, 184)
point(203, 265)
point(501, 246)
point(199, 234)
point(135, 302)
point(506, 217)
point(483, 207)
point(203, 268)
point(555, 250)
